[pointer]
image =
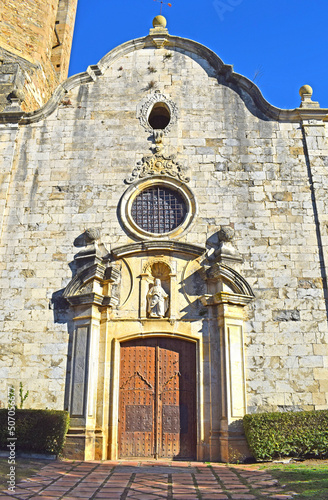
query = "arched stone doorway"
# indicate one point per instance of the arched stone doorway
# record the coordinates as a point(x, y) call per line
point(109, 298)
point(157, 399)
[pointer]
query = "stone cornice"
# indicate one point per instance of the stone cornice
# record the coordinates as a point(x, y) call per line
point(162, 245)
point(226, 298)
point(87, 298)
point(171, 42)
point(316, 114)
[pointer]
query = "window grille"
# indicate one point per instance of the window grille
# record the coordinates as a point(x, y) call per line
point(158, 210)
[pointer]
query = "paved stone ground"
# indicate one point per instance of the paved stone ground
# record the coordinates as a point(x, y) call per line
point(148, 481)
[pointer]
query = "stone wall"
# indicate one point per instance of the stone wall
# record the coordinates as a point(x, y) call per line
point(61, 49)
point(27, 38)
point(67, 172)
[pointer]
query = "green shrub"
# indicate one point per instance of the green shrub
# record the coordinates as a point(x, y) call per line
point(294, 434)
point(37, 431)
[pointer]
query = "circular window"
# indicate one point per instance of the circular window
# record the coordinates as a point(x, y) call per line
point(158, 210)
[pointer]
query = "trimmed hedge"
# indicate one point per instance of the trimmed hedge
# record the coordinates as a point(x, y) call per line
point(295, 434)
point(37, 431)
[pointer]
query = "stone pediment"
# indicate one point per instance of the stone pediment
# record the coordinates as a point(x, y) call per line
point(237, 283)
point(158, 164)
point(239, 291)
point(86, 286)
point(96, 280)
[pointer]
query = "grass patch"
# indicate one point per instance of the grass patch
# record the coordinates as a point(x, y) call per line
point(25, 467)
point(310, 481)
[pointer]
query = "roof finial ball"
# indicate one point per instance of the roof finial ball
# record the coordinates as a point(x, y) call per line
point(306, 95)
point(306, 91)
point(159, 22)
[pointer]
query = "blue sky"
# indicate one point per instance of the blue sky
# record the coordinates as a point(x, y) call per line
point(282, 44)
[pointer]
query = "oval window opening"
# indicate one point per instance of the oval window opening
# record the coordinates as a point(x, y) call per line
point(160, 116)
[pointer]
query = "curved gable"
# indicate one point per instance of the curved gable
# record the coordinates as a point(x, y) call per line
point(202, 57)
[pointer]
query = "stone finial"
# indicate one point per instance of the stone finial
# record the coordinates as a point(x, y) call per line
point(159, 32)
point(159, 22)
point(17, 95)
point(306, 92)
point(91, 235)
point(92, 248)
point(225, 251)
point(226, 233)
point(15, 99)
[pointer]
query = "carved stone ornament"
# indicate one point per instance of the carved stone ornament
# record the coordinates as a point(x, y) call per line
point(224, 252)
point(158, 267)
point(226, 233)
point(88, 288)
point(158, 135)
point(158, 164)
point(91, 235)
point(145, 107)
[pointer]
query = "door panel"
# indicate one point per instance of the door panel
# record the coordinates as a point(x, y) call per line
point(137, 393)
point(157, 408)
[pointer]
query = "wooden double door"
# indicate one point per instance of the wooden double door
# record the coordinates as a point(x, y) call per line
point(157, 401)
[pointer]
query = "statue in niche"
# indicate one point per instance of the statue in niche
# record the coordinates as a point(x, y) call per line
point(157, 300)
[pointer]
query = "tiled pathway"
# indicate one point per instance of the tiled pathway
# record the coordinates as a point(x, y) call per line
point(148, 481)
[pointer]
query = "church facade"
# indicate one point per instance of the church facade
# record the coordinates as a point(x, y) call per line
point(163, 253)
